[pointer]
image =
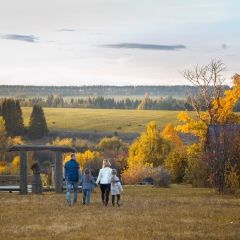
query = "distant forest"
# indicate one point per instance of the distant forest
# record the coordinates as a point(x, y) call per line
point(146, 97)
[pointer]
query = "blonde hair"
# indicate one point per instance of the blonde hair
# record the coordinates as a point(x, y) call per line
point(106, 163)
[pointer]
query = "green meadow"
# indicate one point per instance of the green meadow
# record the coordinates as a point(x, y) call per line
point(103, 120)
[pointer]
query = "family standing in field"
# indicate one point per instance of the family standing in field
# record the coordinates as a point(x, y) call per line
point(107, 178)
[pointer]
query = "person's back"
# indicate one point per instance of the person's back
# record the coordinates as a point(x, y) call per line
point(72, 175)
point(115, 186)
point(71, 170)
point(87, 184)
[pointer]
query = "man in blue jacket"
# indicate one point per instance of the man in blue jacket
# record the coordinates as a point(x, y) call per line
point(72, 176)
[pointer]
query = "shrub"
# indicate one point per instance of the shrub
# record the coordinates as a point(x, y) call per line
point(161, 177)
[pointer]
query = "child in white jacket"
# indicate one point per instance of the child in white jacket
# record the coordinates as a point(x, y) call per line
point(115, 186)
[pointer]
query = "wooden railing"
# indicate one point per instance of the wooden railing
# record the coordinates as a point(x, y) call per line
point(12, 180)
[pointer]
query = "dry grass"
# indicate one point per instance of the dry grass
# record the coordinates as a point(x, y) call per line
point(179, 212)
point(103, 120)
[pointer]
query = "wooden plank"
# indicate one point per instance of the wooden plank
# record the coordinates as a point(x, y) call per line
point(23, 172)
point(59, 173)
point(39, 148)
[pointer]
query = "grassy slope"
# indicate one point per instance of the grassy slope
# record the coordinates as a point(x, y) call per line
point(179, 212)
point(103, 120)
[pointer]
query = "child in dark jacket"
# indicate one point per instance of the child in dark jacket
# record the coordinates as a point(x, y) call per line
point(87, 182)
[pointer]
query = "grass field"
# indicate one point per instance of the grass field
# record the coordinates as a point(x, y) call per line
point(103, 120)
point(179, 212)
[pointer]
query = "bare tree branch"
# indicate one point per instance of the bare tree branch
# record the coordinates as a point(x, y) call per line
point(208, 79)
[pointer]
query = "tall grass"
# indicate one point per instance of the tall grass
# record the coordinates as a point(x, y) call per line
point(179, 212)
point(103, 120)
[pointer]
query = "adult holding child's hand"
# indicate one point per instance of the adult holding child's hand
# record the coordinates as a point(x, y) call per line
point(104, 177)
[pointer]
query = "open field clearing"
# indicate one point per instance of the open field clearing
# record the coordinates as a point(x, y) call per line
point(179, 212)
point(103, 120)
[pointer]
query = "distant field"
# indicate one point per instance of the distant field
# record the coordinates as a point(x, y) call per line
point(103, 120)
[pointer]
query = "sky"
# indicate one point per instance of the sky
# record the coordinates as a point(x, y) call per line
point(115, 42)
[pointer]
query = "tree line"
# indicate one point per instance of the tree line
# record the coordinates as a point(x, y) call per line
point(167, 103)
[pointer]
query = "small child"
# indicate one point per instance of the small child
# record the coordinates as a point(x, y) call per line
point(87, 182)
point(115, 185)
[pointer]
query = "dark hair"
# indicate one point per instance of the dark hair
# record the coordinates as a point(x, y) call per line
point(87, 173)
point(114, 173)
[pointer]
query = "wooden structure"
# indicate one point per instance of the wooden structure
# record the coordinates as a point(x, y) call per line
point(23, 163)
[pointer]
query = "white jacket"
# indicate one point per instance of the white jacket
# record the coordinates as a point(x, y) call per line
point(104, 175)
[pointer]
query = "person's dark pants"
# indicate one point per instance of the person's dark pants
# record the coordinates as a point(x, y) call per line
point(105, 190)
point(113, 199)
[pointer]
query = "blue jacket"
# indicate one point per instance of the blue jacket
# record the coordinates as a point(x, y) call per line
point(87, 185)
point(72, 171)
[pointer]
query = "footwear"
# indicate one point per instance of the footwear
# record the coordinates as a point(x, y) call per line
point(118, 204)
point(83, 203)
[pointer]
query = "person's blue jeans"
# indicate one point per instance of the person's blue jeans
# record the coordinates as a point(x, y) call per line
point(86, 196)
point(71, 184)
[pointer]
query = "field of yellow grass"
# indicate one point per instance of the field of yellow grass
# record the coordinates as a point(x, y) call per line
point(178, 212)
point(103, 120)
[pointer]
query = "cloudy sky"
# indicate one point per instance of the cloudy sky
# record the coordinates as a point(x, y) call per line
point(115, 42)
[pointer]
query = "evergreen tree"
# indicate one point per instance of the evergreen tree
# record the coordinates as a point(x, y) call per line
point(3, 138)
point(18, 121)
point(37, 123)
point(12, 114)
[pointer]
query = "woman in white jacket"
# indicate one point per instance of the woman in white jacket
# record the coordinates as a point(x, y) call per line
point(104, 177)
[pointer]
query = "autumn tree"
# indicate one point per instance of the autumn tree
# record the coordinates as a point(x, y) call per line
point(146, 152)
point(113, 143)
point(150, 148)
point(212, 105)
point(222, 156)
point(37, 123)
point(176, 161)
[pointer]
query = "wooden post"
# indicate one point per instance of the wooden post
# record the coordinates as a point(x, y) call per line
point(59, 172)
point(23, 173)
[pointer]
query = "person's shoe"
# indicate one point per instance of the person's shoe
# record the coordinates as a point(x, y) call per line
point(113, 204)
point(118, 204)
point(69, 204)
point(83, 203)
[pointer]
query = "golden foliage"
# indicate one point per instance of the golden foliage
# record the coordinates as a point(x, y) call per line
point(171, 134)
point(198, 128)
point(221, 110)
point(63, 142)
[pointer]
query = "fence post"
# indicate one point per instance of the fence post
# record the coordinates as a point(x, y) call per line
point(59, 172)
point(23, 173)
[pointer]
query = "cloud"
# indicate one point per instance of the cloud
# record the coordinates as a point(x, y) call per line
point(25, 38)
point(144, 46)
point(224, 46)
point(66, 30)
